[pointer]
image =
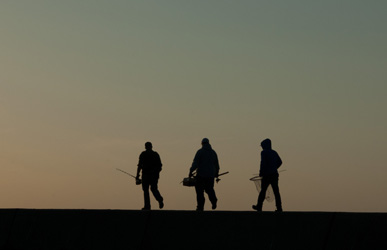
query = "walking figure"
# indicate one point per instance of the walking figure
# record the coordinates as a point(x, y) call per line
point(150, 165)
point(270, 162)
point(206, 165)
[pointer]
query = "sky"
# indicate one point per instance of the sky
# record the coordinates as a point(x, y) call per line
point(84, 84)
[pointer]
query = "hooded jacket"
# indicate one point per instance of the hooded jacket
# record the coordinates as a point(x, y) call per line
point(270, 160)
point(206, 162)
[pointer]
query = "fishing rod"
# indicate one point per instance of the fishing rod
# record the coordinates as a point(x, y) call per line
point(257, 177)
point(138, 181)
point(191, 181)
point(217, 178)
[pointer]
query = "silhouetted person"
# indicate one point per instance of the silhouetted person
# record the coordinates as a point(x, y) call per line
point(206, 165)
point(150, 165)
point(270, 162)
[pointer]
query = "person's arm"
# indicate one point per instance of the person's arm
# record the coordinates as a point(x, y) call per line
point(159, 162)
point(262, 164)
point(217, 168)
point(139, 167)
point(194, 164)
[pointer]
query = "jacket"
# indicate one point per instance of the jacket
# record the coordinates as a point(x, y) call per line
point(206, 162)
point(150, 163)
point(270, 160)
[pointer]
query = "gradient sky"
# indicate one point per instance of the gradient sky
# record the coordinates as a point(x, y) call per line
point(84, 84)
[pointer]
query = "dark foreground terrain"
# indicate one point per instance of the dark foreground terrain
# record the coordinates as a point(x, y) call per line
point(128, 229)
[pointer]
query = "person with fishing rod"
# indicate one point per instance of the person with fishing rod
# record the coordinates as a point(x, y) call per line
point(150, 165)
point(206, 165)
point(270, 162)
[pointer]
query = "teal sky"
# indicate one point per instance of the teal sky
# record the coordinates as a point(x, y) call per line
point(84, 84)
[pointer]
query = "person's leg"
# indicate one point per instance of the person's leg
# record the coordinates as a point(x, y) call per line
point(199, 188)
point(274, 184)
point(156, 192)
point(145, 188)
point(261, 197)
point(209, 189)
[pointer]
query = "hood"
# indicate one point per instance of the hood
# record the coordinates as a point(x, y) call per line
point(266, 144)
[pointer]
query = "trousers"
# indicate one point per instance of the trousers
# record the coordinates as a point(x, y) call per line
point(266, 181)
point(204, 184)
point(150, 181)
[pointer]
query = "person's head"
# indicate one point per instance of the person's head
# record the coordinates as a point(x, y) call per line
point(266, 144)
point(148, 145)
point(205, 141)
